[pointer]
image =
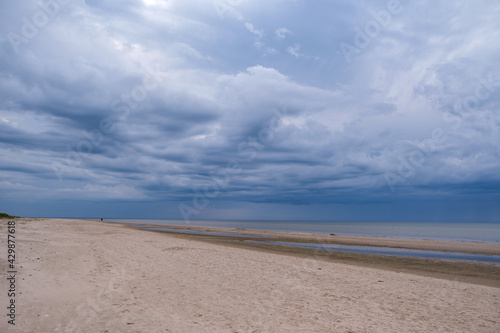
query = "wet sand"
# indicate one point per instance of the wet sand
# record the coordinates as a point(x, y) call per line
point(415, 244)
point(84, 276)
point(483, 273)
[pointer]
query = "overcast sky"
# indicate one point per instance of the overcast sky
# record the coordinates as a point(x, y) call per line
point(239, 109)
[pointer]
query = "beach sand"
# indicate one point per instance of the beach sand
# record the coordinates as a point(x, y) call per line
point(84, 276)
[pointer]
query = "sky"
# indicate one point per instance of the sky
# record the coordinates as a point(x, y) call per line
point(238, 109)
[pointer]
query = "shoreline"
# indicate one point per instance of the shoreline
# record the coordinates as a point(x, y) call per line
point(481, 273)
point(445, 231)
point(89, 276)
point(399, 243)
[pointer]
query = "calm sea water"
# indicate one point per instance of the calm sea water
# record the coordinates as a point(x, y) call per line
point(467, 232)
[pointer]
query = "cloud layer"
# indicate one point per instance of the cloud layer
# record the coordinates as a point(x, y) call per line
point(225, 106)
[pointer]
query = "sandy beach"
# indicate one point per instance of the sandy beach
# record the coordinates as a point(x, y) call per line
point(84, 276)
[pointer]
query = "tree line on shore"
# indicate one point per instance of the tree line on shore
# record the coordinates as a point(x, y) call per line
point(7, 216)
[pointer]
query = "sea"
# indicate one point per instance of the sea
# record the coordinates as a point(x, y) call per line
point(447, 231)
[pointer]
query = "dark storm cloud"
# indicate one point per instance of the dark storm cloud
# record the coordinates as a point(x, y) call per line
point(147, 100)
